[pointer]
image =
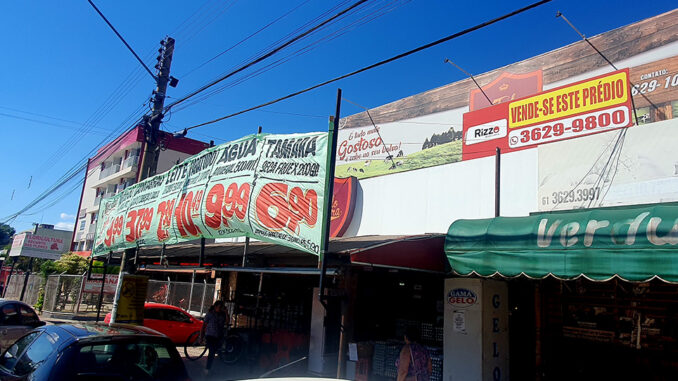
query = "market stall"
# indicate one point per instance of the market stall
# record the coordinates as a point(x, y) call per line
point(599, 283)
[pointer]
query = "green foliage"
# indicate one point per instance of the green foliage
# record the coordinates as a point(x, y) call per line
point(69, 263)
point(97, 268)
point(41, 298)
point(6, 232)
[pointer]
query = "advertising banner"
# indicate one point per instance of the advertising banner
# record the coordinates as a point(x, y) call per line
point(268, 187)
point(46, 244)
point(93, 285)
point(590, 172)
point(587, 107)
point(132, 299)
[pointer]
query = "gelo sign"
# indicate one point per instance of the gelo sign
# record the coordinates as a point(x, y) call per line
point(462, 297)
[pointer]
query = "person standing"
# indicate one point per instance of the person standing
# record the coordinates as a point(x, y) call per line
point(414, 363)
point(213, 328)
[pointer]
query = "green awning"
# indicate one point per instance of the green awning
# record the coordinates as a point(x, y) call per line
point(633, 243)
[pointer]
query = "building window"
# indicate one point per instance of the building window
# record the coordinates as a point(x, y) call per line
point(82, 225)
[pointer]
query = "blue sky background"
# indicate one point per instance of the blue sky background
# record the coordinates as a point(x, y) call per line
point(62, 67)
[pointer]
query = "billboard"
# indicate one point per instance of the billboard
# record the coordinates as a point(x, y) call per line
point(427, 129)
point(594, 105)
point(46, 244)
point(590, 172)
point(268, 187)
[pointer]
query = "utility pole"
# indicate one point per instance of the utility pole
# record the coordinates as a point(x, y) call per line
point(149, 159)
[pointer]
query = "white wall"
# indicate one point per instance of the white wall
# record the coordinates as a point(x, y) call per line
point(428, 200)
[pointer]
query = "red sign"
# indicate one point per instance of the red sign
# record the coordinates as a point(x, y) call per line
point(505, 88)
point(343, 205)
point(591, 106)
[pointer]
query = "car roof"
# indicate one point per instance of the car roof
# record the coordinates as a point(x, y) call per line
point(99, 330)
point(5, 301)
point(160, 305)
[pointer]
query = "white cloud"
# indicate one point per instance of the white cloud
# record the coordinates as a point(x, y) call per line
point(66, 216)
point(64, 225)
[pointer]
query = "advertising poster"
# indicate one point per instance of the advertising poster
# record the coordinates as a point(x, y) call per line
point(93, 285)
point(429, 129)
point(591, 106)
point(597, 171)
point(269, 187)
point(46, 244)
point(132, 299)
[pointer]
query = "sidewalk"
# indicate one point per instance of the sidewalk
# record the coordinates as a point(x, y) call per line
point(223, 372)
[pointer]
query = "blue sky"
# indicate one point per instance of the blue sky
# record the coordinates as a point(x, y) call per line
point(64, 70)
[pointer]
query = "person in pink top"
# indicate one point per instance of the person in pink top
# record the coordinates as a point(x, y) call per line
point(414, 363)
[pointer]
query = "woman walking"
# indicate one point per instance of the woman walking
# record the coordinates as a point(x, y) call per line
point(414, 363)
point(213, 330)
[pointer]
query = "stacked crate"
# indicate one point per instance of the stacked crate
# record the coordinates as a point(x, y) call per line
point(436, 364)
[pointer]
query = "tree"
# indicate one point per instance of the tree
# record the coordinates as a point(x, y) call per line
point(6, 232)
point(69, 263)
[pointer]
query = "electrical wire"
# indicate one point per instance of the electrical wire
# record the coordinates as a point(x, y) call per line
point(377, 64)
point(263, 28)
point(122, 39)
point(270, 53)
point(309, 47)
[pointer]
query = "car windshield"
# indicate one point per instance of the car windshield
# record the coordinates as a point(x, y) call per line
point(137, 360)
point(10, 357)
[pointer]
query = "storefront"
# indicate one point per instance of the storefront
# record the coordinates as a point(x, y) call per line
point(592, 293)
point(395, 287)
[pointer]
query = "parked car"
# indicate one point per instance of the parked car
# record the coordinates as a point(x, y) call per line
point(16, 319)
point(92, 352)
point(172, 321)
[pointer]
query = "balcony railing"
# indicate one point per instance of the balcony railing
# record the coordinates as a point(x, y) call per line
point(131, 161)
point(115, 168)
point(97, 200)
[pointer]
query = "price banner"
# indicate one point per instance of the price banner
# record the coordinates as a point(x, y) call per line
point(268, 187)
point(591, 106)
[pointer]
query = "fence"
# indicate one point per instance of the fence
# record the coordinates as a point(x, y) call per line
point(64, 293)
point(16, 284)
point(196, 298)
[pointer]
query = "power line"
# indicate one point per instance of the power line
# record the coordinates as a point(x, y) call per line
point(380, 63)
point(245, 39)
point(270, 53)
point(392, 5)
point(122, 39)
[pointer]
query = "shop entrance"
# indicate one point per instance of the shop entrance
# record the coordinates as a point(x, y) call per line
point(387, 303)
point(611, 329)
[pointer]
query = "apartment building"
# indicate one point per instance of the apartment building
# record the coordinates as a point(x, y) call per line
point(114, 168)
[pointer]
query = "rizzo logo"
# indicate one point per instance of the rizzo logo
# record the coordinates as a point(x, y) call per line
point(486, 131)
point(462, 297)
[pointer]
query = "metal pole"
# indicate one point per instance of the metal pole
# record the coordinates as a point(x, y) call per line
point(497, 182)
point(101, 291)
point(204, 292)
point(168, 290)
point(201, 259)
point(190, 294)
point(82, 287)
point(118, 288)
point(162, 254)
point(28, 272)
point(247, 239)
point(9, 277)
point(329, 189)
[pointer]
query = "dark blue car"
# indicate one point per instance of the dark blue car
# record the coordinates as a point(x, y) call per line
point(98, 352)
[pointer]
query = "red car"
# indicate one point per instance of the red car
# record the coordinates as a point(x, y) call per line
point(171, 321)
